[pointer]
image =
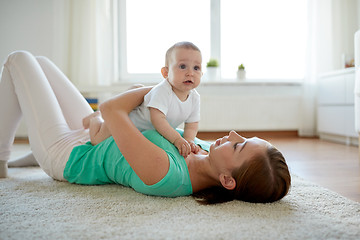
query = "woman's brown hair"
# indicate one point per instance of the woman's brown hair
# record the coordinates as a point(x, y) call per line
point(262, 179)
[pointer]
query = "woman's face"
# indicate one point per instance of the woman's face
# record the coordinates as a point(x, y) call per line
point(230, 152)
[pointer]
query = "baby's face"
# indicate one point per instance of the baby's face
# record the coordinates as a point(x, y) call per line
point(185, 69)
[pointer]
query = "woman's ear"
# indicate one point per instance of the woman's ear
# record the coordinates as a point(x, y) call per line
point(227, 181)
point(165, 72)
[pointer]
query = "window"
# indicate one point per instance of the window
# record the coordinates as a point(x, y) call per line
point(154, 26)
point(268, 37)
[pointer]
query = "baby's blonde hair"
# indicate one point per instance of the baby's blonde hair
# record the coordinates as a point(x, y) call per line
point(186, 45)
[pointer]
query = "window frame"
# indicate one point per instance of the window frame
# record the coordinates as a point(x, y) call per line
point(124, 76)
point(215, 48)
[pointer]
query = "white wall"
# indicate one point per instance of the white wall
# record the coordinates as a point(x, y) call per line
point(345, 22)
point(358, 13)
point(241, 106)
point(36, 26)
point(250, 107)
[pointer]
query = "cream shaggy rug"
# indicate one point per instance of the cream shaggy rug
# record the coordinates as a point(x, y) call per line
point(33, 206)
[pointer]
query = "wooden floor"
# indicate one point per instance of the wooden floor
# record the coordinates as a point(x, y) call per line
point(331, 165)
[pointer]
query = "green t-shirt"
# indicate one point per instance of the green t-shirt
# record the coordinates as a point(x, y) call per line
point(104, 164)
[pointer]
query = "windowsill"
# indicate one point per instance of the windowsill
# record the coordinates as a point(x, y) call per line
point(121, 86)
point(253, 82)
point(338, 72)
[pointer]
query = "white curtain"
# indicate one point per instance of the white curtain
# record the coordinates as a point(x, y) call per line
point(319, 43)
point(93, 45)
point(331, 28)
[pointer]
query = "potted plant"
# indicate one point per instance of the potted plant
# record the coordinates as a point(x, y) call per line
point(212, 70)
point(241, 73)
point(212, 63)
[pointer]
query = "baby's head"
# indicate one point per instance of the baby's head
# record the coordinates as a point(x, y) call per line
point(184, 45)
point(183, 66)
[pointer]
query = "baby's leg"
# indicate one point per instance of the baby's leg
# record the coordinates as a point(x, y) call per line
point(136, 85)
point(96, 135)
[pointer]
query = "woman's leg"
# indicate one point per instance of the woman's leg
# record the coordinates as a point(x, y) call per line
point(28, 89)
point(26, 160)
point(9, 120)
point(73, 105)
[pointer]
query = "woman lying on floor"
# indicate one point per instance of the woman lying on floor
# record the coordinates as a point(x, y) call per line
point(233, 167)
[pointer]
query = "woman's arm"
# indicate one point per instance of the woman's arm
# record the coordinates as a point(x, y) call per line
point(148, 161)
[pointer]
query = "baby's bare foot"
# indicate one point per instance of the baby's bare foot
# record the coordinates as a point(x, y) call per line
point(86, 120)
point(137, 85)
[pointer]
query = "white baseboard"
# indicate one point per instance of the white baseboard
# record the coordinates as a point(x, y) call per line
point(339, 139)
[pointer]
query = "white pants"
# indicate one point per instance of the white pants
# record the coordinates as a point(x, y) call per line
point(53, 109)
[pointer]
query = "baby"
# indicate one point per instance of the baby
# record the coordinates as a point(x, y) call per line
point(168, 104)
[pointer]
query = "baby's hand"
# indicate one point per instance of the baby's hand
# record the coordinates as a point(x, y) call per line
point(183, 146)
point(194, 148)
